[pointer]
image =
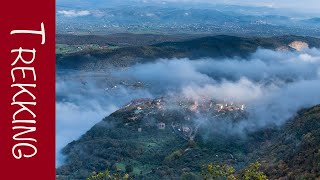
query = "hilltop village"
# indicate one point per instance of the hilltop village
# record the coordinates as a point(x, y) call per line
point(181, 115)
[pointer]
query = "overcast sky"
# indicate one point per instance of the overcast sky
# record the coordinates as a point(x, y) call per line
point(313, 5)
point(298, 5)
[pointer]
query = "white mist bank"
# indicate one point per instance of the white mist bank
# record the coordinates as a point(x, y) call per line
point(83, 100)
point(274, 85)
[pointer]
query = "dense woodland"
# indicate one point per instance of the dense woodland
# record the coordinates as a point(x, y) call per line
point(291, 151)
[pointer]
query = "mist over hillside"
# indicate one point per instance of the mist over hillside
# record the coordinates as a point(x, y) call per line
point(290, 81)
point(161, 89)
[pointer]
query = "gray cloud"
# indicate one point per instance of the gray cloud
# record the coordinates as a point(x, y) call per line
point(84, 99)
point(74, 13)
point(288, 4)
point(262, 66)
point(274, 85)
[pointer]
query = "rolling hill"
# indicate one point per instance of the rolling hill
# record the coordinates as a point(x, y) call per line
point(213, 46)
point(153, 139)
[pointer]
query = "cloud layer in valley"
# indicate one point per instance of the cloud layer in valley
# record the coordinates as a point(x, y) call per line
point(274, 85)
point(84, 99)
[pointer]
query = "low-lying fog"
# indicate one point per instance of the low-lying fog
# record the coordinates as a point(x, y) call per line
point(273, 85)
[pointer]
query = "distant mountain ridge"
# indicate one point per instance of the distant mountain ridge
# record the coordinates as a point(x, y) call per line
point(313, 20)
point(191, 19)
point(211, 46)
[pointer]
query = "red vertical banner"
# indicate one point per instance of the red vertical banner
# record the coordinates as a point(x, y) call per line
point(27, 85)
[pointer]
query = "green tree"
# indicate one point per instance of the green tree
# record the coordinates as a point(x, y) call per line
point(108, 176)
point(211, 172)
point(225, 172)
point(252, 172)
